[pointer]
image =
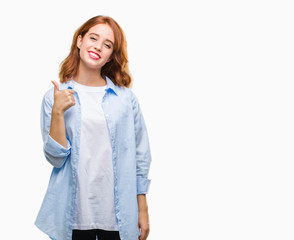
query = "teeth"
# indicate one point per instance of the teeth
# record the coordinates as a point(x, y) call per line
point(94, 55)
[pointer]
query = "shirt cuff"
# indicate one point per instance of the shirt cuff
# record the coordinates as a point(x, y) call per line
point(56, 149)
point(143, 185)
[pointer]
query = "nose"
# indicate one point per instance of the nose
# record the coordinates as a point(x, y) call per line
point(98, 46)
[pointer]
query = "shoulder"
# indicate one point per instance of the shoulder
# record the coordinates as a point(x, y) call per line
point(127, 93)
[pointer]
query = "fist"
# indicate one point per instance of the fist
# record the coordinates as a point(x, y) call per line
point(64, 99)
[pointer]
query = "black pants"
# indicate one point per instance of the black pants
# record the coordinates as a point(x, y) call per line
point(92, 233)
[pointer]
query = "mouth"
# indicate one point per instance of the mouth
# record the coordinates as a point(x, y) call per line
point(94, 55)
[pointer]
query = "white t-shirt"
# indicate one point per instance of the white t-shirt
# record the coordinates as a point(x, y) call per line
point(95, 193)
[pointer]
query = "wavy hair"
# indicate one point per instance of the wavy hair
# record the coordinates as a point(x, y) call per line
point(116, 69)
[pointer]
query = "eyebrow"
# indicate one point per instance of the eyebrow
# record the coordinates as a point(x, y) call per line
point(99, 36)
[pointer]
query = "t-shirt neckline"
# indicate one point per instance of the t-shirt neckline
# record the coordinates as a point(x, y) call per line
point(86, 88)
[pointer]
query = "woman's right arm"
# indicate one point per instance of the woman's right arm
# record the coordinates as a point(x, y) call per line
point(57, 128)
point(56, 146)
point(62, 101)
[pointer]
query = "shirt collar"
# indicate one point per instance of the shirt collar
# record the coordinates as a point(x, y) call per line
point(110, 86)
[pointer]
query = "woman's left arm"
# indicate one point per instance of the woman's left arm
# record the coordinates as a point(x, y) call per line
point(143, 155)
point(143, 160)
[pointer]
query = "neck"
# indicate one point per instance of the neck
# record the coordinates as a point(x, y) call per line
point(89, 77)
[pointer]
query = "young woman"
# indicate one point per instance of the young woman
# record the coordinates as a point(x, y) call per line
point(95, 136)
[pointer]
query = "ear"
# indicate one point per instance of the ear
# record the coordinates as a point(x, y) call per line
point(79, 41)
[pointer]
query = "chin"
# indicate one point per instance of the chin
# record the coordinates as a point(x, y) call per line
point(92, 66)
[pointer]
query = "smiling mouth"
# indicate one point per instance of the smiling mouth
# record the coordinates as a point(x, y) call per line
point(95, 56)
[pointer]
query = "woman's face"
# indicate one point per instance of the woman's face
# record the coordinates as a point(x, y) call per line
point(96, 46)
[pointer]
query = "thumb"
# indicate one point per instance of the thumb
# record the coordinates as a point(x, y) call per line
point(56, 87)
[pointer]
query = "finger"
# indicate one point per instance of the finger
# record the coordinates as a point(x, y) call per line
point(71, 91)
point(143, 234)
point(56, 87)
point(68, 92)
point(72, 101)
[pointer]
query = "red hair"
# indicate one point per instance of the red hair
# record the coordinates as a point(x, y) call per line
point(117, 69)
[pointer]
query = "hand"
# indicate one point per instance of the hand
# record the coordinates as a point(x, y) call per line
point(63, 100)
point(143, 224)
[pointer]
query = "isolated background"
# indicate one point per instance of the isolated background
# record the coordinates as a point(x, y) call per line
point(215, 84)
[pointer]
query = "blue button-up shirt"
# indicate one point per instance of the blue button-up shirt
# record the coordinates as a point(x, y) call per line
point(130, 154)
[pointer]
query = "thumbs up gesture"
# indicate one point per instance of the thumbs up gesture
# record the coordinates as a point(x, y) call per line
point(63, 100)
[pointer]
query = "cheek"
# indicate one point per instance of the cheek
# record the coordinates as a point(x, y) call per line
point(109, 54)
point(85, 45)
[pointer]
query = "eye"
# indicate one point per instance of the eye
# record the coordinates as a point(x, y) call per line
point(93, 38)
point(108, 46)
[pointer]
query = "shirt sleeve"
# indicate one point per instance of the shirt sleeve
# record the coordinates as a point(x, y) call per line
point(54, 152)
point(143, 155)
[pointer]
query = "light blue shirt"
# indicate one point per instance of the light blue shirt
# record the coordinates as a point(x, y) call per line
point(130, 154)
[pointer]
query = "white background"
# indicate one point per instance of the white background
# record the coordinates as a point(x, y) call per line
point(215, 84)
